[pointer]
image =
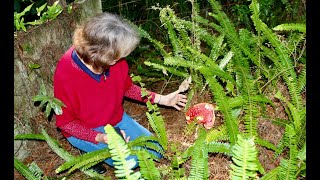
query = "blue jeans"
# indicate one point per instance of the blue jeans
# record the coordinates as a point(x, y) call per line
point(128, 125)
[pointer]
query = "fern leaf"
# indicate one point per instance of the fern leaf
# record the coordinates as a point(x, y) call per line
point(282, 52)
point(157, 123)
point(271, 175)
point(119, 153)
point(290, 27)
point(169, 69)
point(35, 169)
point(265, 143)
point(148, 169)
point(219, 133)
point(24, 170)
point(302, 80)
point(146, 142)
point(218, 147)
point(226, 59)
point(66, 156)
point(222, 100)
point(199, 163)
point(244, 156)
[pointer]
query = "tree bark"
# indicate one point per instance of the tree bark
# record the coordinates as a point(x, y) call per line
point(63, 3)
point(42, 45)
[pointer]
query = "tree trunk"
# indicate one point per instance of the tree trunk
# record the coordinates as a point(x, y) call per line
point(62, 3)
point(42, 45)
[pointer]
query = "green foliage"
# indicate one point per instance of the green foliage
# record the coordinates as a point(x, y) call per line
point(44, 12)
point(31, 172)
point(244, 156)
point(34, 66)
point(199, 163)
point(119, 153)
point(19, 19)
point(235, 71)
point(236, 66)
point(50, 14)
point(272, 12)
point(148, 169)
point(57, 148)
point(291, 26)
point(48, 101)
point(154, 116)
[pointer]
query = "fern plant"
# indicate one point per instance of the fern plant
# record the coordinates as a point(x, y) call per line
point(119, 153)
point(48, 101)
point(30, 172)
point(57, 148)
point(244, 156)
point(250, 61)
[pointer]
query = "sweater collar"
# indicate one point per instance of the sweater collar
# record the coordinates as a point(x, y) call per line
point(96, 77)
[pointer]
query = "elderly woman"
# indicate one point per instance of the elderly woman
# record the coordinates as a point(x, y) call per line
point(92, 79)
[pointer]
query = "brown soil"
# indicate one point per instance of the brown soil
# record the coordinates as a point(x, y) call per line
point(219, 168)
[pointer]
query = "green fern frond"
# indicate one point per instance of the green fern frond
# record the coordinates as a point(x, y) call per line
point(289, 166)
point(291, 27)
point(148, 169)
point(244, 156)
point(280, 122)
point(226, 60)
point(24, 170)
point(86, 161)
point(248, 91)
point(32, 137)
point(235, 102)
point(178, 61)
point(148, 145)
point(296, 114)
point(271, 175)
point(65, 155)
point(169, 69)
point(217, 47)
point(219, 133)
point(166, 16)
point(56, 147)
point(222, 100)
point(81, 161)
point(157, 123)
point(296, 43)
point(219, 147)
point(284, 62)
point(216, 71)
point(301, 84)
point(227, 28)
point(199, 163)
point(288, 169)
point(186, 154)
point(146, 142)
point(265, 143)
point(119, 153)
point(157, 44)
point(37, 171)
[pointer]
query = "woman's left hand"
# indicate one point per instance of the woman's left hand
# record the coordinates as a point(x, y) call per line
point(173, 99)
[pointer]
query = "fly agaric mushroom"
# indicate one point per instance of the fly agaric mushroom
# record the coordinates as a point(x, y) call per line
point(203, 113)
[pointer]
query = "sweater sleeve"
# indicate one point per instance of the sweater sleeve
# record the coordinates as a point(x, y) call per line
point(77, 130)
point(134, 92)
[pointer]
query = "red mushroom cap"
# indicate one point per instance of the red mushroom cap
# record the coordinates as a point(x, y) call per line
point(203, 113)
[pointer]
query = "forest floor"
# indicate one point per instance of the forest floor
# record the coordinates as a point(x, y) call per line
point(175, 123)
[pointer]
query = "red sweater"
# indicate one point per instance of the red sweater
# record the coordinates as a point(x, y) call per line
point(91, 100)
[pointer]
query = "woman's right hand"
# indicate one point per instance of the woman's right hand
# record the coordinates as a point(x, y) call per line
point(103, 137)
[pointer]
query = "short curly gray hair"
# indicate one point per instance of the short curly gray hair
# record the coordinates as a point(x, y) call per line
point(104, 38)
